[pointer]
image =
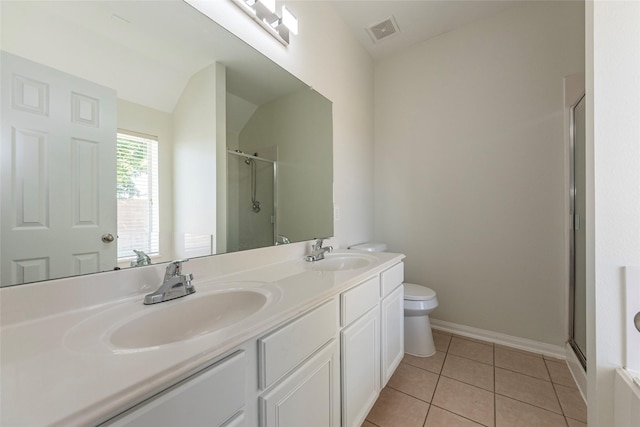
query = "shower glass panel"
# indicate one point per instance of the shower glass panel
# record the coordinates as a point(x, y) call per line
point(250, 202)
point(578, 338)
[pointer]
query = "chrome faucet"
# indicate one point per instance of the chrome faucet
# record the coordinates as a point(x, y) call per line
point(142, 259)
point(174, 285)
point(282, 240)
point(317, 251)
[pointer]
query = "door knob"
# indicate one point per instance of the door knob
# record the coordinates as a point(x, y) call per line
point(108, 238)
point(636, 320)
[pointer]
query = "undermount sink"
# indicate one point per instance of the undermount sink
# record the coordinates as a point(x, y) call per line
point(189, 317)
point(342, 261)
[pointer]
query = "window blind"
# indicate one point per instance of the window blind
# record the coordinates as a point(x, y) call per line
point(137, 194)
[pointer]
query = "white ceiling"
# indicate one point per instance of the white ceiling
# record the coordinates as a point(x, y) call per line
point(418, 20)
point(138, 48)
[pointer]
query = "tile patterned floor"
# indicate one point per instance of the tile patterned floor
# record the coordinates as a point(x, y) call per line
point(475, 383)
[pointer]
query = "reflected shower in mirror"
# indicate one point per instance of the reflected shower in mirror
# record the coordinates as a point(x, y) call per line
point(128, 136)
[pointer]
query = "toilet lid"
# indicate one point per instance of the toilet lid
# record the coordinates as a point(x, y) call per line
point(369, 247)
point(418, 293)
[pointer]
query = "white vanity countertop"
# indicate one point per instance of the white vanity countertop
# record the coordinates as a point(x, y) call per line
point(62, 370)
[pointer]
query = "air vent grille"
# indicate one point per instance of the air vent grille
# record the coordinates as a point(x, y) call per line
point(383, 29)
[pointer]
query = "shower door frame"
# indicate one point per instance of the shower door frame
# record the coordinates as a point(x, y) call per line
point(572, 235)
point(274, 214)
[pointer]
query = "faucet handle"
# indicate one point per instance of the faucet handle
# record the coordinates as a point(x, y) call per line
point(319, 241)
point(174, 268)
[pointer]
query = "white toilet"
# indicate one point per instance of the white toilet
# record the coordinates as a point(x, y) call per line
point(419, 302)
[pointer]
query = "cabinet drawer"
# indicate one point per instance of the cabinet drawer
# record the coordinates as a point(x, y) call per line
point(357, 301)
point(282, 350)
point(209, 397)
point(392, 278)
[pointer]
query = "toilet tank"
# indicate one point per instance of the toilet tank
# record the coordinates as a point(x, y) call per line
point(369, 247)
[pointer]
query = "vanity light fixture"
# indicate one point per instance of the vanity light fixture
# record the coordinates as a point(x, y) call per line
point(264, 13)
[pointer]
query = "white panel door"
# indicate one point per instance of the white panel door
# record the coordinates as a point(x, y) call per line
point(58, 170)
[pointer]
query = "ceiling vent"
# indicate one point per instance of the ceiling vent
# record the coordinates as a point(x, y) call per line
point(383, 29)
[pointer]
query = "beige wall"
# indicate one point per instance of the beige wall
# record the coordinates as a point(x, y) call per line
point(298, 127)
point(469, 167)
point(194, 159)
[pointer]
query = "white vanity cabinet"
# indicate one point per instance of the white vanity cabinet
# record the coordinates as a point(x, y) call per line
point(391, 320)
point(212, 397)
point(323, 368)
point(372, 341)
point(299, 371)
point(360, 350)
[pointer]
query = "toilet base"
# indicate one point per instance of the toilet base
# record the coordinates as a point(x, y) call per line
point(418, 339)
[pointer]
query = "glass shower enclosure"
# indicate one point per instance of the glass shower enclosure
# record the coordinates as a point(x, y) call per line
point(577, 243)
point(251, 201)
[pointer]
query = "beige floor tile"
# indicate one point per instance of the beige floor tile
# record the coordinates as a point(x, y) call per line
point(517, 350)
point(473, 339)
point(521, 362)
point(395, 409)
point(472, 350)
point(469, 371)
point(572, 404)
point(511, 413)
point(438, 417)
point(432, 364)
point(441, 341)
point(465, 400)
point(527, 389)
point(575, 423)
point(560, 374)
point(367, 424)
point(414, 381)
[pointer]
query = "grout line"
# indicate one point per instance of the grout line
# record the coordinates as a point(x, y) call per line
point(428, 410)
point(410, 395)
point(475, 360)
point(424, 369)
point(495, 393)
point(555, 392)
point(531, 404)
point(473, 385)
point(526, 375)
point(438, 382)
point(461, 416)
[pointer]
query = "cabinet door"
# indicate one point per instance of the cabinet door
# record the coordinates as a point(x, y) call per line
point(309, 397)
point(208, 398)
point(392, 337)
point(360, 367)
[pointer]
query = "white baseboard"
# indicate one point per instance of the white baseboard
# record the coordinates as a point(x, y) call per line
point(577, 371)
point(549, 350)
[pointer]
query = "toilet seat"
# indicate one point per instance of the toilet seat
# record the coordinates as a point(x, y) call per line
point(414, 292)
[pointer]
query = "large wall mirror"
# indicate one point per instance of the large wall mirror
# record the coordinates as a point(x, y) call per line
point(142, 131)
